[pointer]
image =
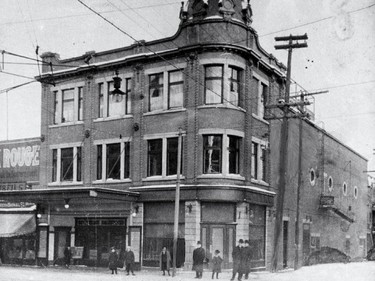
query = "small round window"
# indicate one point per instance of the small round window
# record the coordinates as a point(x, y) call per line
point(355, 192)
point(330, 184)
point(344, 188)
point(312, 176)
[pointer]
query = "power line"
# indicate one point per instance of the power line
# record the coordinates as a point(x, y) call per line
point(313, 22)
point(14, 74)
point(86, 14)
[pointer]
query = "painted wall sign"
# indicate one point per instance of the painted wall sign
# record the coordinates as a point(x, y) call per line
point(19, 162)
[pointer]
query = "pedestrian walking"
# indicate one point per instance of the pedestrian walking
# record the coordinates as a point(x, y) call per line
point(236, 256)
point(67, 257)
point(165, 260)
point(129, 261)
point(247, 258)
point(113, 260)
point(199, 255)
point(216, 264)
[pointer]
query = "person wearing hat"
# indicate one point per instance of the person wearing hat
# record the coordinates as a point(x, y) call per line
point(245, 259)
point(236, 255)
point(199, 255)
point(112, 260)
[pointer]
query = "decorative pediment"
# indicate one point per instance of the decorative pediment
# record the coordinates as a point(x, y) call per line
point(226, 8)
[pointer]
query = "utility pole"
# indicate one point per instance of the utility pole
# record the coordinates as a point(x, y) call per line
point(177, 202)
point(284, 106)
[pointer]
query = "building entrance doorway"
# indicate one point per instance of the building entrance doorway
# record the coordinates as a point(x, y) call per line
point(219, 237)
point(306, 242)
point(62, 240)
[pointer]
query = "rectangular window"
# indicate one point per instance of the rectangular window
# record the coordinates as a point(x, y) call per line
point(155, 157)
point(254, 160)
point(67, 159)
point(127, 160)
point(172, 154)
point(156, 92)
point(99, 161)
point(56, 108)
point(101, 100)
point(175, 89)
point(79, 163)
point(80, 104)
point(234, 80)
point(263, 163)
point(262, 98)
point(213, 84)
point(115, 104)
point(67, 105)
point(212, 154)
point(234, 154)
point(54, 165)
point(128, 87)
point(67, 164)
point(113, 161)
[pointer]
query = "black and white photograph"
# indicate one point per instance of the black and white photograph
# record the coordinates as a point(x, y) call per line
point(181, 140)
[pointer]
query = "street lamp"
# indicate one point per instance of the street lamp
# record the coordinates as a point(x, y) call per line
point(117, 94)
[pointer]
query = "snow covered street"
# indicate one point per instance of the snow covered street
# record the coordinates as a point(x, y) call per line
point(361, 271)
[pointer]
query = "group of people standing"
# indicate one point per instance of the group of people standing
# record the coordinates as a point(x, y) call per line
point(241, 260)
point(115, 261)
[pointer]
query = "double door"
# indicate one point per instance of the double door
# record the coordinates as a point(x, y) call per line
point(219, 237)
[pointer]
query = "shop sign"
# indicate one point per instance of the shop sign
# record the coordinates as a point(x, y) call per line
point(77, 252)
point(14, 186)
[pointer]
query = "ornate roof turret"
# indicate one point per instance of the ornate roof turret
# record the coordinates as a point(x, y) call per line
point(227, 9)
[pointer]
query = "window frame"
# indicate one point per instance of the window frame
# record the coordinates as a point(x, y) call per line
point(261, 96)
point(165, 153)
point(237, 81)
point(156, 86)
point(226, 135)
point(103, 97)
point(57, 168)
point(176, 83)
point(213, 78)
point(59, 103)
point(102, 163)
point(259, 158)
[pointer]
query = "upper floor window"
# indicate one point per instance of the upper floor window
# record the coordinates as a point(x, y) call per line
point(261, 97)
point(162, 157)
point(169, 97)
point(235, 85)
point(111, 105)
point(258, 161)
point(213, 85)
point(175, 89)
point(156, 89)
point(113, 161)
point(217, 160)
point(68, 104)
point(67, 164)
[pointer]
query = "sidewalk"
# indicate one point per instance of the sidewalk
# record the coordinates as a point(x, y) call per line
point(361, 271)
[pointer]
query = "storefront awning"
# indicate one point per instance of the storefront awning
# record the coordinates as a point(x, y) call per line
point(44, 195)
point(16, 224)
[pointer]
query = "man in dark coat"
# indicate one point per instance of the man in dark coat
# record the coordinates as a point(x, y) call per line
point(236, 255)
point(199, 255)
point(112, 260)
point(246, 259)
point(67, 256)
point(129, 261)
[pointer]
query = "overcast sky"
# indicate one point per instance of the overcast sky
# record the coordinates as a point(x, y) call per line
point(340, 56)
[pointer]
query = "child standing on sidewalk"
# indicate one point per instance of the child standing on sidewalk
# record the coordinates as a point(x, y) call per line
point(216, 264)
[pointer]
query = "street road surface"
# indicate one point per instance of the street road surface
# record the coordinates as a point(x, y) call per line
point(360, 271)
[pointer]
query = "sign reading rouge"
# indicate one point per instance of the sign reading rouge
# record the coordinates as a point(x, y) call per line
point(19, 161)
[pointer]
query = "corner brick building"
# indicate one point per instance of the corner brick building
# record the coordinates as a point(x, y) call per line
point(109, 130)
point(212, 80)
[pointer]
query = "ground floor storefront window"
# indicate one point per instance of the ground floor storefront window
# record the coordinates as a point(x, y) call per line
point(97, 236)
point(257, 234)
point(19, 249)
point(159, 232)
